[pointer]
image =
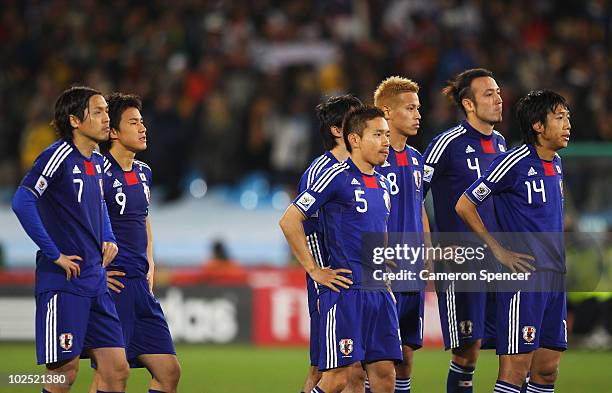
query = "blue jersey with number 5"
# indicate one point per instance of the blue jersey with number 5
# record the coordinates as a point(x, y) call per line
point(350, 205)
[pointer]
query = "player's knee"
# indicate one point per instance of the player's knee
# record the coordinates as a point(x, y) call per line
point(338, 382)
point(172, 374)
point(403, 369)
point(467, 355)
point(384, 380)
point(117, 371)
point(548, 374)
point(69, 370)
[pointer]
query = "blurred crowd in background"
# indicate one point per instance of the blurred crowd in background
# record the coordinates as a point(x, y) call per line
point(229, 87)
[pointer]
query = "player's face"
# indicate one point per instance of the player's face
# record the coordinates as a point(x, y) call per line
point(96, 123)
point(557, 131)
point(488, 103)
point(404, 116)
point(132, 132)
point(374, 145)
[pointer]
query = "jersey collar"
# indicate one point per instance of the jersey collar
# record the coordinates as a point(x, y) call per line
point(474, 132)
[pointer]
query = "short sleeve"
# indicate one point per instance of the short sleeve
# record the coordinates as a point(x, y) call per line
point(435, 161)
point(46, 168)
point(320, 191)
point(496, 179)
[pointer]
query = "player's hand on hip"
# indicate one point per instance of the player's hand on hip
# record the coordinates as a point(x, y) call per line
point(332, 278)
point(112, 283)
point(515, 261)
point(67, 262)
point(109, 252)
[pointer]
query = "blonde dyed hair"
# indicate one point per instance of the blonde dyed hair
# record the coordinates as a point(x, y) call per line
point(392, 87)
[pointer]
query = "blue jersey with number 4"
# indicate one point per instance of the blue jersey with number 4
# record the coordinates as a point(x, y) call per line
point(453, 160)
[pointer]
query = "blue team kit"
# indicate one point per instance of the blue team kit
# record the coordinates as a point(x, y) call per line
point(76, 315)
point(528, 196)
point(144, 325)
point(453, 161)
point(404, 171)
point(357, 324)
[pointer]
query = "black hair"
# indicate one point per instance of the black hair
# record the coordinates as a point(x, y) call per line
point(533, 108)
point(355, 121)
point(72, 101)
point(331, 114)
point(461, 86)
point(117, 104)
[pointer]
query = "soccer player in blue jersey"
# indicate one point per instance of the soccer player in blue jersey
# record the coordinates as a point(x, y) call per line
point(358, 323)
point(526, 185)
point(330, 114)
point(60, 205)
point(398, 98)
point(453, 160)
point(127, 184)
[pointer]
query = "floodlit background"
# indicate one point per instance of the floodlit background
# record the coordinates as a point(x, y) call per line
point(229, 90)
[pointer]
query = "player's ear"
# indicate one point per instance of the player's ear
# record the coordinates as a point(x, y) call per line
point(468, 105)
point(386, 110)
point(75, 122)
point(538, 127)
point(336, 131)
point(354, 140)
point(114, 134)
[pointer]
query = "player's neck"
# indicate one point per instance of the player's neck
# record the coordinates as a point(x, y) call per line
point(340, 152)
point(398, 141)
point(480, 126)
point(545, 153)
point(361, 164)
point(124, 157)
point(84, 145)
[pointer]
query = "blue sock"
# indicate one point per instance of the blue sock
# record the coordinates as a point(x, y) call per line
point(155, 391)
point(100, 391)
point(402, 385)
point(459, 379)
point(505, 387)
point(45, 391)
point(537, 388)
point(367, 386)
point(317, 389)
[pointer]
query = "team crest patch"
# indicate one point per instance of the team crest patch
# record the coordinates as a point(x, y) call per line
point(481, 191)
point(466, 327)
point(65, 341)
point(417, 179)
point(529, 333)
point(41, 185)
point(306, 201)
point(346, 346)
point(427, 173)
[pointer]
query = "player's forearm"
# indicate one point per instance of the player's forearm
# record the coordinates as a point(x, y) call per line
point(24, 206)
point(467, 211)
point(293, 229)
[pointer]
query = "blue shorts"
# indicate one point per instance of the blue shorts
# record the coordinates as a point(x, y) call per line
point(466, 317)
point(67, 325)
point(527, 321)
point(410, 312)
point(357, 326)
point(314, 338)
point(144, 325)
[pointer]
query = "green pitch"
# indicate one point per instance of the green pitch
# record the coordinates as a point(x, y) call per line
point(245, 369)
